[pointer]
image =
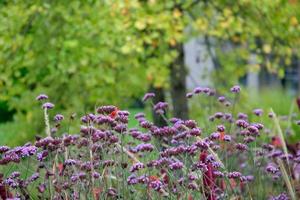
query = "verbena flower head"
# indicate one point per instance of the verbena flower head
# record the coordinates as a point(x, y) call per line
point(143, 147)
point(96, 175)
point(132, 180)
point(15, 174)
point(242, 123)
point(241, 147)
point(235, 89)
point(136, 167)
point(221, 128)
point(246, 179)
point(148, 96)
point(58, 118)
point(160, 107)
point(198, 90)
point(258, 112)
point(206, 90)
point(234, 175)
point(189, 95)
point(242, 116)
point(48, 105)
point(139, 116)
point(227, 138)
point(215, 136)
point(221, 99)
point(218, 115)
point(4, 149)
point(41, 97)
point(106, 109)
point(176, 165)
point(156, 185)
point(271, 168)
point(253, 130)
point(282, 196)
point(28, 151)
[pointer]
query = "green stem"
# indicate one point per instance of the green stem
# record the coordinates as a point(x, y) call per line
point(48, 132)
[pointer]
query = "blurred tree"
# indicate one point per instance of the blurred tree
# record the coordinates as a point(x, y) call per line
point(233, 32)
point(82, 52)
point(85, 52)
point(70, 50)
point(237, 29)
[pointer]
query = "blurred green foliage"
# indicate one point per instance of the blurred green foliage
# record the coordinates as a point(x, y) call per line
point(268, 29)
point(80, 53)
point(87, 53)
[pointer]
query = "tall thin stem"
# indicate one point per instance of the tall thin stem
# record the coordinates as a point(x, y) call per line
point(48, 132)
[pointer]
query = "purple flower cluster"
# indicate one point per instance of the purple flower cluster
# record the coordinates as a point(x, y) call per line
point(41, 97)
point(176, 165)
point(144, 137)
point(205, 90)
point(156, 185)
point(48, 105)
point(234, 175)
point(282, 196)
point(143, 148)
point(189, 95)
point(235, 89)
point(258, 112)
point(242, 123)
point(160, 107)
point(58, 118)
point(198, 90)
point(148, 96)
point(16, 154)
point(136, 167)
point(107, 155)
point(106, 109)
point(272, 169)
point(221, 99)
point(246, 179)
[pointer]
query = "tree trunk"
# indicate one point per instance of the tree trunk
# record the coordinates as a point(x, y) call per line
point(159, 96)
point(178, 74)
